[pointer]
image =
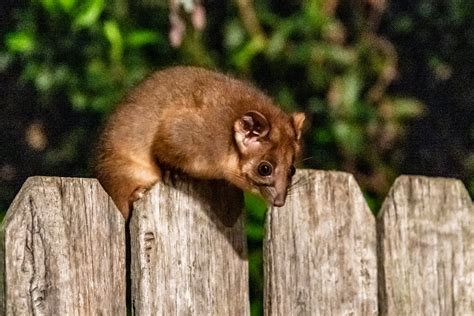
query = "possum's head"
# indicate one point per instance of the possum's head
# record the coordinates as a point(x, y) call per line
point(267, 149)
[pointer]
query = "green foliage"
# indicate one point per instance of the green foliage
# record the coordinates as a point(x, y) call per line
point(256, 210)
point(84, 51)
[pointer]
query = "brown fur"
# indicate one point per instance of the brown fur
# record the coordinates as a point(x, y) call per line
point(192, 119)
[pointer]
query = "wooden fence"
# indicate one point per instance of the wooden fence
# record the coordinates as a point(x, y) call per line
point(63, 250)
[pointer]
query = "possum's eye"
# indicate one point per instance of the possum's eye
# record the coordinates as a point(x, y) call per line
point(265, 168)
point(292, 171)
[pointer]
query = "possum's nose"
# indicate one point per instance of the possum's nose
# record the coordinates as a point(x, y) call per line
point(279, 194)
point(278, 203)
point(279, 200)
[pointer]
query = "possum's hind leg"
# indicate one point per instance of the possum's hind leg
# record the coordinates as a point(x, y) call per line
point(126, 179)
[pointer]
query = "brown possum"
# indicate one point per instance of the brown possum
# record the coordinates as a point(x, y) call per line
point(202, 123)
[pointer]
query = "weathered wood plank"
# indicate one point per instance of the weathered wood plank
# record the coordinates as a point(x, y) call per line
point(189, 253)
point(63, 250)
point(320, 249)
point(426, 240)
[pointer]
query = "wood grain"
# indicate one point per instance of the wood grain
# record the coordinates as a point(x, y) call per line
point(63, 250)
point(189, 253)
point(320, 249)
point(426, 240)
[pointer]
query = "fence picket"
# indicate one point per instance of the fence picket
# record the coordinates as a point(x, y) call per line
point(426, 256)
point(320, 249)
point(189, 252)
point(62, 250)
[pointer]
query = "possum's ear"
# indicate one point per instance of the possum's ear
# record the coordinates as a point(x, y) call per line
point(298, 123)
point(249, 130)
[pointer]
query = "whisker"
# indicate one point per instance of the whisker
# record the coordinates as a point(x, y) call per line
point(291, 190)
point(238, 179)
point(236, 174)
point(300, 181)
point(295, 186)
point(290, 193)
point(306, 159)
point(265, 192)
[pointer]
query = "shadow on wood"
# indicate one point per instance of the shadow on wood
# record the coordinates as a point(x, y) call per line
point(189, 252)
point(221, 201)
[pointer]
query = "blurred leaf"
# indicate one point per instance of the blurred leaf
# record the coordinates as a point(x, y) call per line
point(114, 36)
point(89, 13)
point(407, 108)
point(403, 24)
point(373, 202)
point(255, 205)
point(256, 261)
point(300, 54)
point(140, 38)
point(5, 60)
point(440, 68)
point(44, 80)
point(338, 55)
point(323, 136)
point(62, 74)
point(314, 15)
point(245, 55)
point(79, 100)
point(349, 136)
point(279, 40)
point(425, 9)
point(67, 5)
point(234, 35)
point(68, 146)
point(50, 6)
point(334, 32)
point(286, 99)
point(256, 308)
point(462, 10)
point(255, 231)
point(21, 42)
point(351, 90)
point(470, 160)
point(255, 267)
point(319, 77)
point(96, 68)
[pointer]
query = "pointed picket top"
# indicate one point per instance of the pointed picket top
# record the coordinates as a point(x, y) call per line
point(320, 249)
point(426, 248)
point(62, 250)
point(189, 251)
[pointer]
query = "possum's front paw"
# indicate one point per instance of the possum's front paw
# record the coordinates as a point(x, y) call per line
point(172, 177)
